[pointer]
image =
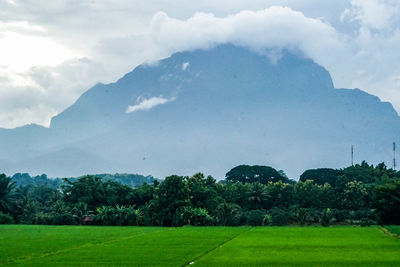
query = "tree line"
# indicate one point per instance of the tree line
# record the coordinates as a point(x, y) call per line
point(249, 195)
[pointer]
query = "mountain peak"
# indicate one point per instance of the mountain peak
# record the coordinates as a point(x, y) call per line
point(209, 110)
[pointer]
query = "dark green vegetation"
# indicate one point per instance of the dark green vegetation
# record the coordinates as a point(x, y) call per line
point(35, 245)
point(24, 179)
point(250, 195)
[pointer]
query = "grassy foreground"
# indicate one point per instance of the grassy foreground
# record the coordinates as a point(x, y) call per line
point(201, 246)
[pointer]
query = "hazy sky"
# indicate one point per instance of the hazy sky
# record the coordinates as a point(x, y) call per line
point(51, 51)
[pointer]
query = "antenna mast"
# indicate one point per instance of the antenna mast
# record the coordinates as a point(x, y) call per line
point(352, 155)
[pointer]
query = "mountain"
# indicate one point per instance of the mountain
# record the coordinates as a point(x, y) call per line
point(209, 110)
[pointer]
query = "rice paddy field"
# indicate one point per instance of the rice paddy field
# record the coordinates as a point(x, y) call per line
point(28, 245)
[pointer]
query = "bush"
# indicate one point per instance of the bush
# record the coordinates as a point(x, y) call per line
point(326, 217)
point(6, 219)
point(279, 216)
point(340, 215)
point(64, 219)
point(303, 216)
point(44, 218)
point(229, 214)
point(195, 216)
point(255, 217)
point(387, 202)
point(365, 217)
point(120, 215)
point(267, 219)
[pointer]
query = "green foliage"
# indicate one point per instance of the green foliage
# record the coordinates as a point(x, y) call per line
point(250, 195)
point(6, 193)
point(24, 179)
point(5, 218)
point(387, 202)
point(195, 216)
point(368, 174)
point(94, 192)
point(132, 180)
point(267, 219)
point(279, 216)
point(170, 195)
point(321, 176)
point(229, 214)
point(255, 217)
point(279, 195)
point(120, 215)
point(326, 217)
point(252, 174)
point(308, 194)
point(258, 196)
point(203, 192)
point(354, 195)
point(303, 216)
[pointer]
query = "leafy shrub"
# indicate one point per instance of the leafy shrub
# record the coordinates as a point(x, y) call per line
point(6, 219)
point(255, 217)
point(279, 216)
point(365, 217)
point(65, 219)
point(304, 216)
point(44, 218)
point(120, 215)
point(326, 217)
point(340, 215)
point(195, 216)
point(267, 219)
point(387, 202)
point(229, 214)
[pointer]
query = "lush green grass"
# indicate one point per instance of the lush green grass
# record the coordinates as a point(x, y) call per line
point(27, 241)
point(308, 246)
point(152, 246)
point(60, 246)
point(394, 229)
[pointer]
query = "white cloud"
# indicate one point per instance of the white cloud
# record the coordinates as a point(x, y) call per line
point(117, 36)
point(185, 65)
point(37, 94)
point(146, 104)
point(376, 14)
point(24, 45)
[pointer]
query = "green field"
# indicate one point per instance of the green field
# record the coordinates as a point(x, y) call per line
point(201, 246)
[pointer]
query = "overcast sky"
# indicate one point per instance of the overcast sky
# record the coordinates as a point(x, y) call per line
point(51, 51)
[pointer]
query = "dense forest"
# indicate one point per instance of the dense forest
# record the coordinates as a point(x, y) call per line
point(249, 195)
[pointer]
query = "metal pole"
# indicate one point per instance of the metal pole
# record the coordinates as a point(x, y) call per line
point(352, 155)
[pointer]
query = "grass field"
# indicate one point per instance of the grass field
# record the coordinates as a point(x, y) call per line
point(201, 246)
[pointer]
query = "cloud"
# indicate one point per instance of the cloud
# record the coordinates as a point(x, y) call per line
point(271, 27)
point(37, 94)
point(349, 38)
point(185, 65)
point(376, 14)
point(146, 104)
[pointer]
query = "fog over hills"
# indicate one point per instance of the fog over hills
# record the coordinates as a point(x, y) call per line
point(209, 110)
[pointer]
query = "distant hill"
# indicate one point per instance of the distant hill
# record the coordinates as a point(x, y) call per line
point(133, 180)
point(209, 110)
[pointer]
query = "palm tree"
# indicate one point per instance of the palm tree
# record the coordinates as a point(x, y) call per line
point(6, 192)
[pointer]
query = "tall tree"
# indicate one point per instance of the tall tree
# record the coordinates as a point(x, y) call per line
point(171, 194)
point(6, 193)
point(387, 202)
point(252, 174)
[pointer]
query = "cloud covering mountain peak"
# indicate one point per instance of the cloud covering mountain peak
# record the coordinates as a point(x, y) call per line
point(349, 38)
